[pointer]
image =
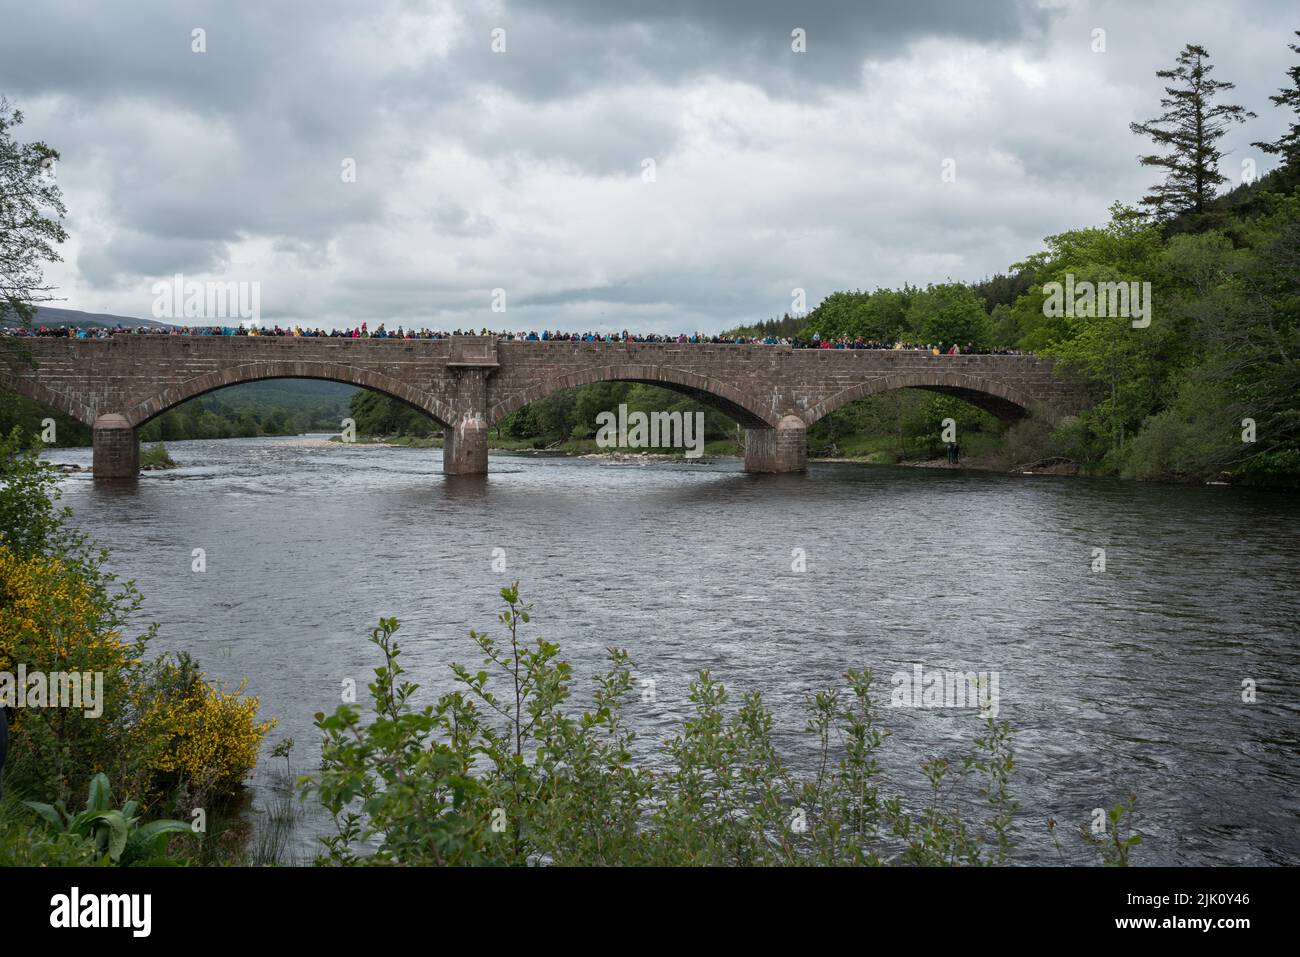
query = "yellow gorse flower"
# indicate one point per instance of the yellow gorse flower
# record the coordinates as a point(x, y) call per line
point(202, 734)
point(49, 618)
point(53, 618)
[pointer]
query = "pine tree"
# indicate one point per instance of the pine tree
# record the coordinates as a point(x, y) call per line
point(1288, 146)
point(1190, 127)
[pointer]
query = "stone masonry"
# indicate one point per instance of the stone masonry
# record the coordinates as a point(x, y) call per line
point(469, 383)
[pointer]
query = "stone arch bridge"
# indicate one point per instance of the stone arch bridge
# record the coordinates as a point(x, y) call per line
point(469, 383)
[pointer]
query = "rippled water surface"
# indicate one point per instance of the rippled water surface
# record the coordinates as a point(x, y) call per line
point(1122, 682)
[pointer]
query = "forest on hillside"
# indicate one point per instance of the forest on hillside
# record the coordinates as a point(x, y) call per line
point(270, 407)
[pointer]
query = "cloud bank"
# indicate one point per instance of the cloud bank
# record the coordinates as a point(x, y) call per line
point(660, 167)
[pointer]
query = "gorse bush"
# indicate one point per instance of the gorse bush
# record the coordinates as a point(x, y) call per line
point(190, 731)
point(157, 727)
point(57, 617)
point(499, 771)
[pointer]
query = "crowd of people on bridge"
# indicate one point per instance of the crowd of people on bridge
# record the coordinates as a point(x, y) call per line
point(381, 331)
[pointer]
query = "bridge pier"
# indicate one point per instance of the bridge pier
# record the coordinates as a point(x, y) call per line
point(471, 362)
point(783, 449)
point(116, 448)
point(465, 448)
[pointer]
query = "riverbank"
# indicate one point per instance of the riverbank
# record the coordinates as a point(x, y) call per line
point(157, 458)
point(985, 458)
point(573, 448)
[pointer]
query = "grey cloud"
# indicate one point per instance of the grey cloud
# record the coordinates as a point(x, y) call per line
point(450, 218)
point(478, 169)
point(580, 42)
point(121, 261)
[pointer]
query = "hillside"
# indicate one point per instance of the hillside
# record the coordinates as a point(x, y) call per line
point(54, 316)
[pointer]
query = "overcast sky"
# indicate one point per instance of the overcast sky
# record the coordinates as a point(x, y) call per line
point(526, 169)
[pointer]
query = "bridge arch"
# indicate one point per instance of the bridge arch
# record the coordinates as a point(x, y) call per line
point(171, 396)
point(1004, 401)
point(745, 409)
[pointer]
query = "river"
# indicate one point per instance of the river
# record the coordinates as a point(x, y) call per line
point(1118, 682)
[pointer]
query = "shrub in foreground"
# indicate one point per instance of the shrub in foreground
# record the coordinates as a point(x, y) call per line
point(117, 834)
point(500, 771)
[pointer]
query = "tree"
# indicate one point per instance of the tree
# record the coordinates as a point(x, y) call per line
point(879, 315)
point(1189, 128)
point(1288, 144)
point(556, 414)
point(949, 313)
point(375, 414)
point(1125, 248)
point(31, 213)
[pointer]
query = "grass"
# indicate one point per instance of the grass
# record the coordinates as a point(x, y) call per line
point(276, 824)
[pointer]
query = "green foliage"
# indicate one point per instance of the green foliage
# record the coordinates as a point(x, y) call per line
point(571, 414)
point(156, 457)
point(1004, 328)
point(521, 424)
point(1189, 128)
point(378, 415)
point(1003, 290)
point(1035, 439)
point(1288, 144)
point(499, 771)
point(881, 315)
point(117, 834)
point(272, 407)
point(948, 313)
point(945, 313)
point(556, 415)
point(61, 611)
point(787, 326)
point(1117, 843)
point(31, 218)
point(1195, 439)
point(30, 521)
point(1222, 347)
point(18, 411)
point(907, 423)
point(26, 841)
point(1125, 249)
point(590, 401)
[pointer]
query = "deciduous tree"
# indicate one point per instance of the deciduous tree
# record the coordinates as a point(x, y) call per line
point(31, 217)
